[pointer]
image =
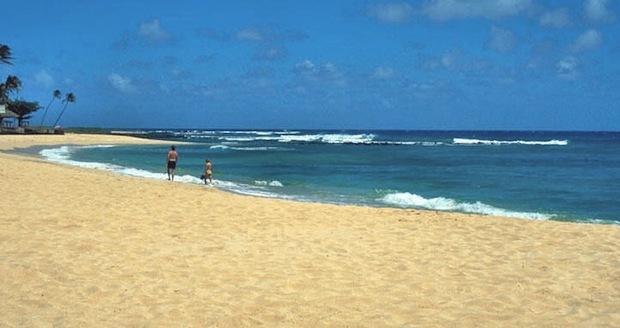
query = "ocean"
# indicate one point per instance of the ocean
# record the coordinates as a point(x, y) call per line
point(568, 176)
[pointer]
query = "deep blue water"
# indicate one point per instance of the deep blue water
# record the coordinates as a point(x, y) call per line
point(543, 175)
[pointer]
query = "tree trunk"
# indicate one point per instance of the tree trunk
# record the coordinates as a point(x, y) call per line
point(62, 112)
point(45, 113)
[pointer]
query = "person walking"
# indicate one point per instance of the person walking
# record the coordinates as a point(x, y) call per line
point(208, 175)
point(172, 158)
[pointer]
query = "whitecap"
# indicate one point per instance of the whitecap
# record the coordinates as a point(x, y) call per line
point(274, 183)
point(256, 148)
point(329, 138)
point(464, 141)
point(405, 199)
point(136, 132)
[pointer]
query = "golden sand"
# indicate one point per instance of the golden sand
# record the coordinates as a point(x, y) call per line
point(83, 248)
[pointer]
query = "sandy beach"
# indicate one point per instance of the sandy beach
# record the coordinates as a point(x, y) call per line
point(84, 248)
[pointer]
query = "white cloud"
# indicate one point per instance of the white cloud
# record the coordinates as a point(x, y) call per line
point(596, 10)
point(455, 9)
point(567, 68)
point(383, 73)
point(449, 59)
point(589, 39)
point(501, 40)
point(327, 72)
point(271, 52)
point(396, 12)
point(457, 61)
point(446, 60)
point(44, 79)
point(121, 83)
point(305, 65)
point(330, 68)
point(556, 18)
point(270, 40)
point(153, 31)
point(250, 34)
point(269, 34)
point(421, 90)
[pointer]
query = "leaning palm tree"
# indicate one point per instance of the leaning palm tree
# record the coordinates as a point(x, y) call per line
point(5, 54)
point(55, 95)
point(69, 98)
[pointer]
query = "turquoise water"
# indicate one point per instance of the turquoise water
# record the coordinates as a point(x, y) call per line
point(538, 175)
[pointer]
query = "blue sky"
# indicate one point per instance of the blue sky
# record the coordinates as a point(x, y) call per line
point(436, 64)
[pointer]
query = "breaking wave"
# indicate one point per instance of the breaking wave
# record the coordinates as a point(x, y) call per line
point(245, 148)
point(405, 199)
point(464, 141)
point(348, 139)
point(274, 183)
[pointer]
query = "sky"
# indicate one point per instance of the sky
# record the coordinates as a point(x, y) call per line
point(431, 64)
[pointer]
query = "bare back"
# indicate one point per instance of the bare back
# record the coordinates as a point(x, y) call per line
point(172, 156)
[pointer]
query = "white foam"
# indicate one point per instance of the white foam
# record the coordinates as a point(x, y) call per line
point(329, 138)
point(129, 132)
point(246, 148)
point(405, 199)
point(62, 155)
point(319, 138)
point(464, 141)
point(409, 143)
point(248, 190)
point(256, 148)
point(260, 133)
point(274, 183)
point(238, 138)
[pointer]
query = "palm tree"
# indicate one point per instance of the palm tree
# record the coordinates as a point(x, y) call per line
point(5, 54)
point(69, 98)
point(12, 83)
point(55, 95)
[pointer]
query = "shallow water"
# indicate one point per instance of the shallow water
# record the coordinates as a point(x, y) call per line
point(536, 175)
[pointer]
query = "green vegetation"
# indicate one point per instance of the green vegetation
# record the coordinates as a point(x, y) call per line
point(5, 54)
point(21, 108)
point(11, 85)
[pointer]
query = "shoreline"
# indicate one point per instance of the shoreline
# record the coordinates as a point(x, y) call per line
point(118, 140)
point(77, 139)
point(127, 139)
point(82, 247)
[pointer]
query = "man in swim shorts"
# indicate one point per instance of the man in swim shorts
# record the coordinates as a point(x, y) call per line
point(172, 158)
